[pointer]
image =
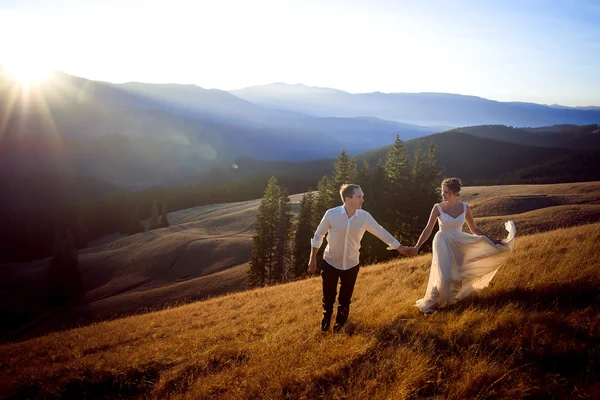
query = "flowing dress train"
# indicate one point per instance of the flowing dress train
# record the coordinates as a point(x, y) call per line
point(462, 263)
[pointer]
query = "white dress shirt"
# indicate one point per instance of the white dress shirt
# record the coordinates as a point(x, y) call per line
point(345, 234)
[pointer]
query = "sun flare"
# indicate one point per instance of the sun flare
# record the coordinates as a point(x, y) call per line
point(28, 71)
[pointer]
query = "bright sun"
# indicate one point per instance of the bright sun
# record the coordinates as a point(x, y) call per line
point(28, 72)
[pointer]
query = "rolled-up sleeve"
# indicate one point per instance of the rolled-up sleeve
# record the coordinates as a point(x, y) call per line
point(322, 229)
point(381, 233)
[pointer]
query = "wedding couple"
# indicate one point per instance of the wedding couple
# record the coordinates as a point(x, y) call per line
point(461, 264)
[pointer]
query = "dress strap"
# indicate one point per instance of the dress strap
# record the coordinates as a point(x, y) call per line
point(439, 208)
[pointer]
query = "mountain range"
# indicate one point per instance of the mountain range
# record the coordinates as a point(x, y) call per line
point(427, 109)
point(139, 135)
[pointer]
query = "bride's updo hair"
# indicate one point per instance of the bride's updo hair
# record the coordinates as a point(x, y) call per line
point(453, 184)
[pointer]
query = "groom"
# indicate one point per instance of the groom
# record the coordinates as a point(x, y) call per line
point(346, 226)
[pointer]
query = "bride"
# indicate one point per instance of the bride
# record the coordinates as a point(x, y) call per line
point(462, 263)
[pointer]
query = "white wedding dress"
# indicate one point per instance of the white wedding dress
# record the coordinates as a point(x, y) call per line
point(462, 263)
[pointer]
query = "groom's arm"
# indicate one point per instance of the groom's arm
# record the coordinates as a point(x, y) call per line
point(317, 241)
point(384, 236)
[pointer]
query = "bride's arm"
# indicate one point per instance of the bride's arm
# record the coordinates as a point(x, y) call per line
point(473, 227)
point(428, 229)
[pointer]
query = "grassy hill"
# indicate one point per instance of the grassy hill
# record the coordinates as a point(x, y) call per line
point(206, 249)
point(203, 253)
point(514, 199)
point(533, 333)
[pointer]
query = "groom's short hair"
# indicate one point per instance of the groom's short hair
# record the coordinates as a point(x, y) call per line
point(347, 190)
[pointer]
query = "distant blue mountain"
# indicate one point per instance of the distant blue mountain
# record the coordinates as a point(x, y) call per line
point(138, 135)
point(425, 109)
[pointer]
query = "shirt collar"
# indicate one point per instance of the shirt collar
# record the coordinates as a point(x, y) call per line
point(343, 212)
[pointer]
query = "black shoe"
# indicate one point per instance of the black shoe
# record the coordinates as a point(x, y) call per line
point(341, 318)
point(326, 322)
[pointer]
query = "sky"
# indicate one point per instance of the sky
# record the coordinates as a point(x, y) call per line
point(542, 51)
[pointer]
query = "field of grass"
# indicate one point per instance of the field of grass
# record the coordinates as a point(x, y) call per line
point(534, 333)
point(203, 253)
point(488, 201)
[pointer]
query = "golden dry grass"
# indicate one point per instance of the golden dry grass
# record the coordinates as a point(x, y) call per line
point(534, 333)
point(203, 253)
point(542, 220)
point(488, 201)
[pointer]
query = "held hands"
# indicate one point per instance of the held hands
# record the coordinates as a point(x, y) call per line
point(408, 251)
point(413, 251)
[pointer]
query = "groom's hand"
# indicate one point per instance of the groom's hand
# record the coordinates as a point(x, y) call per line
point(312, 265)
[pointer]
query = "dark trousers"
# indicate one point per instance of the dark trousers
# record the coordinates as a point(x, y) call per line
point(347, 279)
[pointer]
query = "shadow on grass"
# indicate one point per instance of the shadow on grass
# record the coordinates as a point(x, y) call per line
point(135, 383)
point(563, 364)
point(99, 385)
point(563, 297)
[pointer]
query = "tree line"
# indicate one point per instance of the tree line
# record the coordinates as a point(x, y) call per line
point(29, 228)
point(399, 192)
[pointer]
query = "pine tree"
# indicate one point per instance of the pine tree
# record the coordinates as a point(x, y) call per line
point(374, 184)
point(344, 171)
point(64, 278)
point(364, 180)
point(425, 193)
point(282, 246)
point(163, 220)
point(265, 236)
point(323, 200)
point(304, 232)
point(398, 186)
point(154, 222)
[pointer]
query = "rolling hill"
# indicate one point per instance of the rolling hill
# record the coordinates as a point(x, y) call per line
point(136, 165)
point(206, 249)
point(532, 333)
point(569, 136)
point(478, 159)
point(203, 253)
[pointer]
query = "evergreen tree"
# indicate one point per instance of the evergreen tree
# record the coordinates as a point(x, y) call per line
point(426, 182)
point(344, 171)
point(282, 246)
point(321, 204)
point(154, 222)
point(265, 236)
point(398, 188)
point(373, 249)
point(323, 200)
point(364, 180)
point(64, 278)
point(304, 232)
point(163, 220)
point(416, 203)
